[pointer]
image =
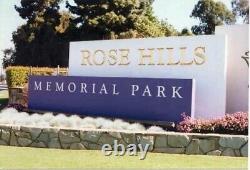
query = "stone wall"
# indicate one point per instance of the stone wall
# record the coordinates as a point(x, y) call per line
point(168, 142)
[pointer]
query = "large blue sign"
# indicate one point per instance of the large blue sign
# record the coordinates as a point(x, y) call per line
point(148, 99)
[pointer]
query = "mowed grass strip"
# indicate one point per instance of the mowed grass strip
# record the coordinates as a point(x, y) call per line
point(23, 157)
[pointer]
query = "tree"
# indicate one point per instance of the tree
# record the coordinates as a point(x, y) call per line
point(39, 42)
point(44, 39)
point(168, 29)
point(39, 12)
point(112, 19)
point(241, 8)
point(8, 57)
point(210, 14)
point(185, 32)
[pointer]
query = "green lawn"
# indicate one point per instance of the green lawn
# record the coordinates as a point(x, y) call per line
point(17, 157)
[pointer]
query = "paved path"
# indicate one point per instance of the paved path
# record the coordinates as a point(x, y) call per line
point(3, 87)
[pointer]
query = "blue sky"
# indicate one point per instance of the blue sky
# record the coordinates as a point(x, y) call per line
point(177, 13)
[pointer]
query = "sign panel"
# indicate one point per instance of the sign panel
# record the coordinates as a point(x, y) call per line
point(128, 98)
point(202, 58)
point(238, 66)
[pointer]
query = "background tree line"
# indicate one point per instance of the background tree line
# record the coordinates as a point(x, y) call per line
point(44, 39)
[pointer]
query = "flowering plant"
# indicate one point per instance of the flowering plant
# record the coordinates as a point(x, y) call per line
point(236, 123)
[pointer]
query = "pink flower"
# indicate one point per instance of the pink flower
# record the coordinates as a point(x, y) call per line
point(236, 123)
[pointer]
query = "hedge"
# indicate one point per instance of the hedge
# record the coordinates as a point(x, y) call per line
point(236, 123)
point(17, 76)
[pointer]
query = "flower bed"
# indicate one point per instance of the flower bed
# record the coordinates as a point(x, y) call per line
point(236, 123)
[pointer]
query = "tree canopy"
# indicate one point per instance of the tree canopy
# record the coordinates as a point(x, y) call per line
point(241, 8)
point(44, 39)
point(37, 42)
point(210, 14)
point(185, 32)
point(114, 19)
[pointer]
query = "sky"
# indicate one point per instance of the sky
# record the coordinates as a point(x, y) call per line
point(176, 12)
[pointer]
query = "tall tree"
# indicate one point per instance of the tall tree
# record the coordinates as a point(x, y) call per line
point(241, 8)
point(38, 42)
point(105, 19)
point(44, 39)
point(210, 14)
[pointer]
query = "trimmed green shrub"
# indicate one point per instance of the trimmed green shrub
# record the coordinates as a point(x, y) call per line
point(17, 76)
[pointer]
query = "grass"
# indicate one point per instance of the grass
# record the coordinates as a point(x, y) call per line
point(3, 98)
point(17, 157)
